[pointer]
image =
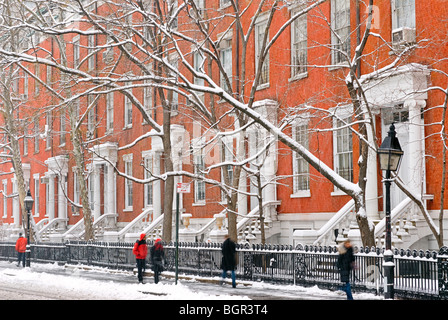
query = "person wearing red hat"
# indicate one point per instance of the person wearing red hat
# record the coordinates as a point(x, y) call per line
point(140, 251)
point(157, 258)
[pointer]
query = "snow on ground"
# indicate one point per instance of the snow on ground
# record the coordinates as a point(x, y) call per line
point(54, 282)
point(59, 286)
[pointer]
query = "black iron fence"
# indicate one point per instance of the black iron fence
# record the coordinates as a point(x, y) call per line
point(418, 274)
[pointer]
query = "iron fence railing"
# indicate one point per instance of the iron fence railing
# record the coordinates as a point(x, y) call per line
point(418, 274)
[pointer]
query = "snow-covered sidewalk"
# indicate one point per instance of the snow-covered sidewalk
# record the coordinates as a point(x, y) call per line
point(53, 282)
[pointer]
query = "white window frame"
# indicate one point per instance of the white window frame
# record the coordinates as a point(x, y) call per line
point(340, 32)
point(127, 112)
point(148, 189)
point(199, 164)
point(76, 52)
point(226, 57)
point(128, 184)
point(300, 127)
point(91, 49)
point(76, 192)
point(260, 28)
point(110, 112)
point(299, 45)
point(62, 127)
point(343, 115)
point(400, 12)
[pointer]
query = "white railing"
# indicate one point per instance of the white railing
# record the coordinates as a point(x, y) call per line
point(325, 235)
point(137, 225)
point(248, 228)
point(54, 226)
point(105, 222)
point(403, 217)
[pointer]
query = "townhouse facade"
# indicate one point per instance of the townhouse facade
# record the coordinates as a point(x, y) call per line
point(304, 74)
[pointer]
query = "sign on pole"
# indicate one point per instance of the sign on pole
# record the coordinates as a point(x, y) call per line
point(183, 187)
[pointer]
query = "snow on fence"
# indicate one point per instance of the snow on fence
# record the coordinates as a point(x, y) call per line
point(418, 274)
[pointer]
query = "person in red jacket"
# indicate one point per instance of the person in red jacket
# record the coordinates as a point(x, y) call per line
point(140, 251)
point(21, 249)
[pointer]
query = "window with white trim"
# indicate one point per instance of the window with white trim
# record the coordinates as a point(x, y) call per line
point(340, 35)
point(76, 51)
point(148, 187)
point(226, 60)
point(299, 44)
point(127, 112)
point(110, 112)
point(343, 149)
point(199, 166)
point(403, 14)
point(260, 30)
point(128, 184)
point(301, 168)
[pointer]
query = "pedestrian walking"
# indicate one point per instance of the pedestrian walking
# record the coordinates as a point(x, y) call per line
point(345, 264)
point(140, 251)
point(157, 259)
point(21, 249)
point(228, 259)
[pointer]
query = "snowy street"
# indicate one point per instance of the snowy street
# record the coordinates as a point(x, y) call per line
point(53, 282)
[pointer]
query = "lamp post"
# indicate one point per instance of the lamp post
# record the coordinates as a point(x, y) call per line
point(28, 206)
point(390, 155)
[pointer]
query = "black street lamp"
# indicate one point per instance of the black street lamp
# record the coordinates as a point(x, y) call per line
point(29, 201)
point(390, 155)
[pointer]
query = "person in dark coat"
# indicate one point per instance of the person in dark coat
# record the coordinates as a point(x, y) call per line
point(228, 260)
point(157, 259)
point(345, 263)
point(140, 251)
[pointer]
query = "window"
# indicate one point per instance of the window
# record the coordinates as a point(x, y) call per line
point(128, 185)
point(76, 189)
point(36, 135)
point(62, 119)
point(127, 112)
point(260, 30)
point(200, 5)
point(225, 3)
point(91, 49)
point(25, 86)
point(90, 116)
point(49, 119)
point(340, 37)
point(91, 185)
point(110, 112)
point(299, 43)
point(49, 75)
point(147, 98)
point(5, 200)
point(199, 166)
point(198, 67)
point(301, 168)
point(76, 52)
point(174, 61)
point(226, 60)
point(344, 150)
point(36, 82)
point(403, 14)
point(148, 187)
